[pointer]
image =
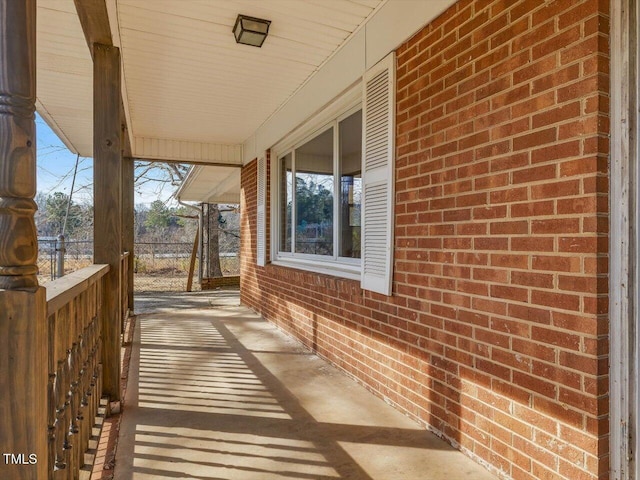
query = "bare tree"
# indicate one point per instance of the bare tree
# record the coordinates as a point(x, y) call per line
point(156, 177)
point(174, 174)
point(160, 174)
point(215, 270)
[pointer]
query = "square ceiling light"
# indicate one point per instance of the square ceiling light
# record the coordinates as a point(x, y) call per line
point(250, 30)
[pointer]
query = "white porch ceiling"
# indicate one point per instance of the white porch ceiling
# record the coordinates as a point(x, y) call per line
point(186, 84)
point(191, 94)
point(64, 75)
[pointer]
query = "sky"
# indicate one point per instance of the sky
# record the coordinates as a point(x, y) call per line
point(56, 165)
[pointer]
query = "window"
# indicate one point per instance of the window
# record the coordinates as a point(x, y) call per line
point(320, 194)
point(330, 216)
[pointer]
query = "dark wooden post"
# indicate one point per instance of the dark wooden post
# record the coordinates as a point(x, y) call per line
point(128, 223)
point(23, 328)
point(107, 178)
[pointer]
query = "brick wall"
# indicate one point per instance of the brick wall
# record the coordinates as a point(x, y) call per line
point(218, 282)
point(496, 335)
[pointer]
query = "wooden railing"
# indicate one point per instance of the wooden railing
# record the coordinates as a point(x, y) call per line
point(75, 369)
point(124, 289)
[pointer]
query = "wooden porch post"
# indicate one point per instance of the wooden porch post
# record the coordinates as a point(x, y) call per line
point(127, 222)
point(23, 328)
point(107, 177)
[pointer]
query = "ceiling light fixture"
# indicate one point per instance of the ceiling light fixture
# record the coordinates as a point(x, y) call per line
point(251, 31)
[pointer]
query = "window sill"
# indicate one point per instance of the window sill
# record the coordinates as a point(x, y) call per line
point(352, 272)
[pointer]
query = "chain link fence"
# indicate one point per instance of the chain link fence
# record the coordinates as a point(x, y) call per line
point(161, 266)
point(157, 266)
point(77, 254)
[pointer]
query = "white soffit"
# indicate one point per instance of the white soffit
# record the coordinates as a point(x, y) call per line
point(388, 27)
point(211, 184)
point(186, 80)
point(64, 75)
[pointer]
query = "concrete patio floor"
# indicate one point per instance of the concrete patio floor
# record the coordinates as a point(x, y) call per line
point(217, 393)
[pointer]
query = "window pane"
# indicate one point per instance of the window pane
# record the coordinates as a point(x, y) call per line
point(286, 202)
point(314, 195)
point(350, 154)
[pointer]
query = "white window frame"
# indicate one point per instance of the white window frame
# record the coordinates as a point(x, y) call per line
point(330, 117)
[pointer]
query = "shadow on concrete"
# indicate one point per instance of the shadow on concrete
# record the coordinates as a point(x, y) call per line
point(215, 393)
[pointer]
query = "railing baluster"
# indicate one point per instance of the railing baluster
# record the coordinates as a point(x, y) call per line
point(75, 386)
point(68, 441)
point(60, 409)
point(51, 422)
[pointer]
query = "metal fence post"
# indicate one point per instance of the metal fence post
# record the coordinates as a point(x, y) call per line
point(60, 249)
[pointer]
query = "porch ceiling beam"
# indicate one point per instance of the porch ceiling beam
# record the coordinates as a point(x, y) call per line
point(94, 19)
point(95, 22)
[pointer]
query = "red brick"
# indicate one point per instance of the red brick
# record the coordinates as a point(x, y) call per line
point(472, 200)
point(582, 244)
point(490, 274)
point(555, 152)
point(489, 306)
point(578, 205)
point(510, 227)
point(556, 115)
point(558, 300)
point(586, 48)
point(531, 209)
point(555, 226)
point(491, 243)
point(550, 45)
point(556, 263)
point(513, 194)
point(535, 384)
point(490, 212)
point(535, 69)
point(509, 162)
point(492, 338)
point(532, 244)
point(554, 373)
point(531, 314)
point(552, 80)
point(509, 261)
point(556, 189)
point(471, 228)
point(533, 105)
point(578, 89)
point(535, 139)
point(583, 166)
point(539, 280)
point(510, 129)
point(510, 293)
point(510, 64)
point(534, 350)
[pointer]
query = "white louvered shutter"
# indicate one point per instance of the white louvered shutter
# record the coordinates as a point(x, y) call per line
point(261, 216)
point(378, 175)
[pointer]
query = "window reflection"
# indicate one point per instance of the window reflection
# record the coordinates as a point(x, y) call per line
point(350, 156)
point(314, 195)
